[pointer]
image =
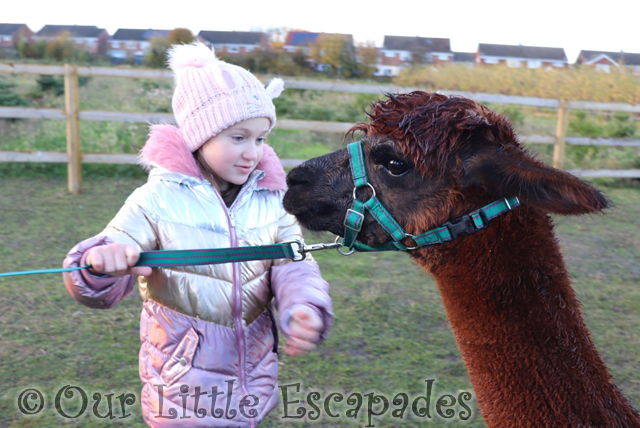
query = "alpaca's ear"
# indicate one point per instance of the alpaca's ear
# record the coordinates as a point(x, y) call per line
point(505, 174)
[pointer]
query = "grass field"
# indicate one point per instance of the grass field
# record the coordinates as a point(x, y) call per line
point(390, 336)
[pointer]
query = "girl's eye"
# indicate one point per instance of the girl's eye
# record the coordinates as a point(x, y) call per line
point(261, 140)
point(396, 167)
point(238, 138)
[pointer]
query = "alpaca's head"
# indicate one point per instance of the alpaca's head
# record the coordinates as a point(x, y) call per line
point(432, 158)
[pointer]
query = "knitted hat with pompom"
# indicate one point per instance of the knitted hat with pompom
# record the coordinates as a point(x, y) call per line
point(211, 95)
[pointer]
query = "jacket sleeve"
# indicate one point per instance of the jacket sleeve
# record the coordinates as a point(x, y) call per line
point(105, 291)
point(298, 283)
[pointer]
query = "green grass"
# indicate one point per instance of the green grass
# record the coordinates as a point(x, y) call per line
point(390, 334)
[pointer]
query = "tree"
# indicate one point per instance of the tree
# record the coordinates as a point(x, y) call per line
point(61, 48)
point(179, 36)
point(157, 54)
point(335, 52)
point(367, 54)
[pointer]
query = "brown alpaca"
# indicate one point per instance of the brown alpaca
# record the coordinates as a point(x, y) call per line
point(506, 290)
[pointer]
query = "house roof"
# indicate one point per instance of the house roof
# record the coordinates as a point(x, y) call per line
point(73, 30)
point(519, 51)
point(303, 38)
point(233, 37)
point(625, 58)
point(9, 29)
point(138, 34)
point(425, 44)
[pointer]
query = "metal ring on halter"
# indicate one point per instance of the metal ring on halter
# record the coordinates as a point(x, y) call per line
point(408, 235)
point(343, 253)
point(368, 184)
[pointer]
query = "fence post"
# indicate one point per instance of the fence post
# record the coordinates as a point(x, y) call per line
point(72, 111)
point(561, 134)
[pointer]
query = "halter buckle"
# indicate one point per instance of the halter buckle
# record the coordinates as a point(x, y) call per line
point(358, 224)
point(461, 226)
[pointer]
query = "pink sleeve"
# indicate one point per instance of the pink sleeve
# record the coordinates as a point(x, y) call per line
point(98, 292)
point(300, 283)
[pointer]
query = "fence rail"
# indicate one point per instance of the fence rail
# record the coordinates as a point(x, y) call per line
point(73, 115)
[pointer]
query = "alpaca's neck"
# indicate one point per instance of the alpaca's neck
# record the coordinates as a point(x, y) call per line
point(519, 328)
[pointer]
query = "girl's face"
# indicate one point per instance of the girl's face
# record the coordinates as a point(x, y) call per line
point(234, 153)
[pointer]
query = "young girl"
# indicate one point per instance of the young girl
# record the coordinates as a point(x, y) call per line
point(209, 341)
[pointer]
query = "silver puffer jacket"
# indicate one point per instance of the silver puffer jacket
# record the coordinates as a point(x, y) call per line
point(208, 332)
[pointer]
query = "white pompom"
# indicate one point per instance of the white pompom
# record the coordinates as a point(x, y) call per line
point(195, 54)
point(275, 88)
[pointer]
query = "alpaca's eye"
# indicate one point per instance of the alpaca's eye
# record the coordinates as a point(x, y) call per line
point(396, 167)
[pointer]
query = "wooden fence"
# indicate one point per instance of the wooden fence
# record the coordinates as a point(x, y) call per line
point(73, 115)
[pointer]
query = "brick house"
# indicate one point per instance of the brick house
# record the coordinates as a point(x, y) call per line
point(605, 61)
point(88, 37)
point(399, 51)
point(234, 43)
point(131, 43)
point(521, 56)
point(11, 34)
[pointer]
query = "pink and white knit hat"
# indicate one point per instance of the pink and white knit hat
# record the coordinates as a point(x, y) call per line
point(211, 95)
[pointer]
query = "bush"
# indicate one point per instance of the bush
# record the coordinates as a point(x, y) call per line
point(582, 125)
point(9, 98)
point(621, 126)
point(514, 114)
point(55, 84)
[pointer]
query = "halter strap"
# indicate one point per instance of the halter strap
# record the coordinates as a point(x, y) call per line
point(354, 218)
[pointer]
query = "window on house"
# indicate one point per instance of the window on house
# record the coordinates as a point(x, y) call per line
point(514, 63)
point(232, 49)
point(115, 45)
point(491, 61)
point(534, 63)
point(605, 68)
point(131, 45)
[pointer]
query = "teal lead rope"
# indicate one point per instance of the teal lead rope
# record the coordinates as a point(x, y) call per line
point(33, 272)
point(294, 250)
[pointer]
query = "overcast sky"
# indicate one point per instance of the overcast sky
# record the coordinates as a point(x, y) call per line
point(569, 24)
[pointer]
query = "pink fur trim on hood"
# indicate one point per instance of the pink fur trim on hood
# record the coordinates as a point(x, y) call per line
point(166, 147)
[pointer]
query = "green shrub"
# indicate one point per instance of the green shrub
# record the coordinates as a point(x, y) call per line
point(514, 114)
point(9, 98)
point(621, 126)
point(582, 125)
point(55, 84)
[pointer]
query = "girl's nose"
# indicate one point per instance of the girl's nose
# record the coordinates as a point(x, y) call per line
point(251, 152)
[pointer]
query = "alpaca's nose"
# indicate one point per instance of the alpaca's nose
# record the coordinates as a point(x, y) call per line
point(300, 175)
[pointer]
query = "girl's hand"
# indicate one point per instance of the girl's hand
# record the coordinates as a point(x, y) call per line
point(115, 260)
point(305, 327)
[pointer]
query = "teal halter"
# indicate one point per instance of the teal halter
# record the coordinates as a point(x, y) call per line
point(468, 223)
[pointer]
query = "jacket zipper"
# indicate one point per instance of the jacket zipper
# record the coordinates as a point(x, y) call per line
point(237, 289)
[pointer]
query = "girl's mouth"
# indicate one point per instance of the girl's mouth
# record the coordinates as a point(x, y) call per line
point(244, 168)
